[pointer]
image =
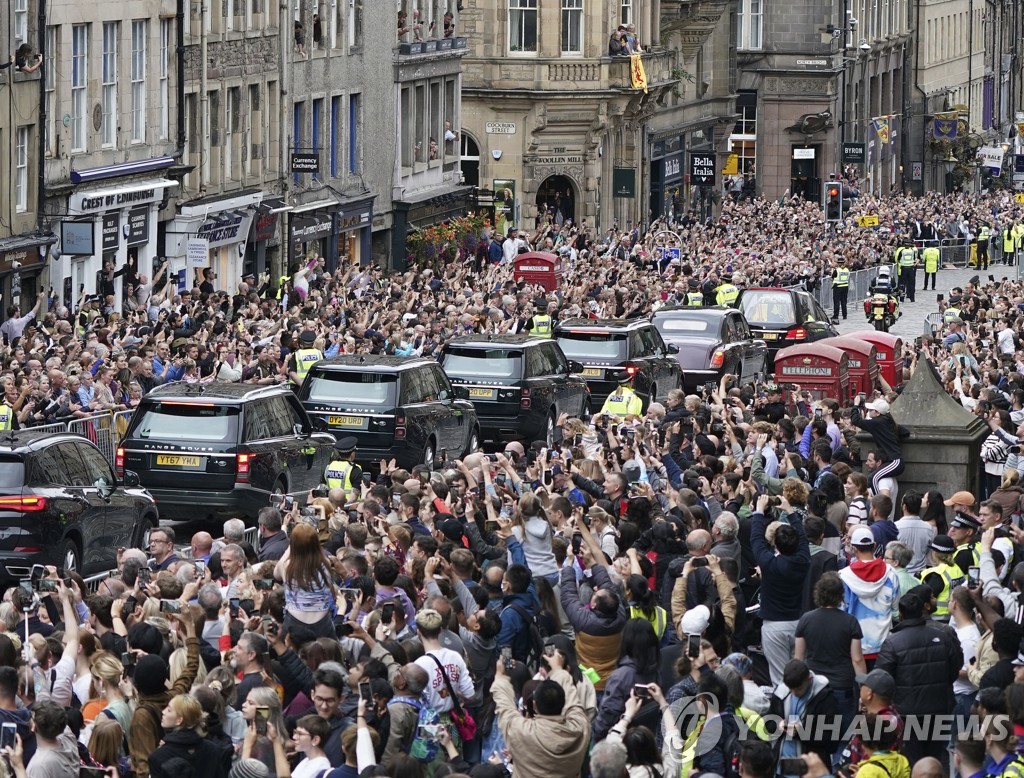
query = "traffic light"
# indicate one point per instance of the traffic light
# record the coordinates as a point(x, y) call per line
point(833, 202)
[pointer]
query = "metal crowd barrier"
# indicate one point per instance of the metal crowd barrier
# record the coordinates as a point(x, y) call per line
point(104, 429)
point(860, 283)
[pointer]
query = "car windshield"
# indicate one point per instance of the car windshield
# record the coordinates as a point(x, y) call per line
point(482, 363)
point(696, 328)
point(187, 421)
point(605, 346)
point(768, 307)
point(336, 387)
point(12, 473)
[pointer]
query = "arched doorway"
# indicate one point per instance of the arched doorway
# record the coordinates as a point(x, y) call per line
point(557, 195)
point(470, 158)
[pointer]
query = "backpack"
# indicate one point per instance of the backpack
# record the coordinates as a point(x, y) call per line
point(535, 637)
point(732, 748)
point(424, 749)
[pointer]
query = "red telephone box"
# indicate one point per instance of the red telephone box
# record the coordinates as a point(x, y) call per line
point(539, 267)
point(888, 354)
point(862, 363)
point(817, 368)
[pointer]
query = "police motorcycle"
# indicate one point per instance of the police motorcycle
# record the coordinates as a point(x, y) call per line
point(882, 308)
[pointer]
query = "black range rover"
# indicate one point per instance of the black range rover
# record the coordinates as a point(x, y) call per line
point(401, 408)
point(609, 346)
point(220, 450)
point(519, 384)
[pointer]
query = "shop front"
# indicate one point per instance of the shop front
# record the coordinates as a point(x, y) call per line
point(417, 213)
point(264, 243)
point(112, 225)
point(310, 233)
point(667, 169)
point(338, 232)
point(355, 227)
point(22, 263)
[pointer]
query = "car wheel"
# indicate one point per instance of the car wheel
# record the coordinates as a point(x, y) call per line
point(428, 452)
point(148, 524)
point(474, 442)
point(280, 487)
point(70, 556)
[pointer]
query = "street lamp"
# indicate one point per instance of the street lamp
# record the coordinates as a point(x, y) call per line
point(949, 162)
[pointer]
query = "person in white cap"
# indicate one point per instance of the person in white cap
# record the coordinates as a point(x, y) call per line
point(872, 591)
point(886, 433)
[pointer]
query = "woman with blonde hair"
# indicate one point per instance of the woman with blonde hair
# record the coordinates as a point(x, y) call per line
point(262, 747)
point(222, 681)
point(309, 594)
point(185, 738)
point(177, 664)
point(111, 701)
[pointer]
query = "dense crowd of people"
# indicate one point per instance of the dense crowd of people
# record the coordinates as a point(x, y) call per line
point(728, 584)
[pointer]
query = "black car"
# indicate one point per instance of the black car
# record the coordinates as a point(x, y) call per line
point(401, 408)
point(520, 384)
point(712, 342)
point(606, 347)
point(61, 505)
point(219, 450)
point(784, 317)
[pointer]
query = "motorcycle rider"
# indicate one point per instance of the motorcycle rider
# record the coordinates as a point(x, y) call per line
point(882, 293)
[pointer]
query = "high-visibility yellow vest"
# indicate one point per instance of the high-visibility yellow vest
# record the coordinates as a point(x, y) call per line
point(5, 417)
point(1007, 241)
point(305, 358)
point(949, 314)
point(842, 278)
point(623, 402)
point(694, 299)
point(541, 326)
point(726, 294)
point(906, 256)
point(931, 259)
point(984, 235)
point(281, 281)
point(975, 556)
point(659, 621)
point(952, 577)
point(339, 476)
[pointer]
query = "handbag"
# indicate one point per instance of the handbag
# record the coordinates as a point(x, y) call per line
point(464, 722)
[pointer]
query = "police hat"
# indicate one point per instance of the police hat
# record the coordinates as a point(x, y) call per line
point(623, 377)
point(346, 445)
point(307, 337)
point(693, 283)
point(965, 521)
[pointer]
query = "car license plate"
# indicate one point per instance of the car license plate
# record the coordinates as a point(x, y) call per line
point(178, 461)
point(771, 336)
point(591, 372)
point(478, 393)
point(349, 422)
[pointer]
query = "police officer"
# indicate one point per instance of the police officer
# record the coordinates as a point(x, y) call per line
point(931, 265)
point(623, 401)
point(540, 324)
point(964, 530)
point(943, 576)
point(952, 311)
point(694, 297)
point(6, 416)
point(304, 358)
point(840, 289)
point(984, 236)
point(342, 472)
point(906, 261)
point(726, 292)
point(1008, 238)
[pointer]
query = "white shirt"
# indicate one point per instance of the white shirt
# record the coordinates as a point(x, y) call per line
point(458, 675)
point(968, 636)
point(1005, 338)
point(310, 768)
point(889, 486)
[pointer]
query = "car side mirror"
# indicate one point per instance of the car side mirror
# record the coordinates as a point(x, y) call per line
point(299, 430)
point(575, 367)
point(318, 423)
point(460, 392)
point(131, 480)
point(672, 348)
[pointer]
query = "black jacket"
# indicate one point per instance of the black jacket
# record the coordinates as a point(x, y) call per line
point(208, 759)
point(821, 707)
point(924, 660)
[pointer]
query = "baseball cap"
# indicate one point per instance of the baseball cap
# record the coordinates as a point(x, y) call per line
point(695, 620)
point(862, 537)
point(879, 405)
point(878, 681)
point(964, 498)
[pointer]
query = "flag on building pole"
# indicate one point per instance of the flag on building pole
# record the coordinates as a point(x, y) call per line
point(1020, 130)
point(944, 125)
point(881, 124)
point(637, 74)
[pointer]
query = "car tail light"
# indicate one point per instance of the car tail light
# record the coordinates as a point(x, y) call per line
point(25, 504)
point(797, 333)
point(524, 399)
point(718, 359)
point(119, 462)
point(400, 427)
point(631, 370)
point(242, 474)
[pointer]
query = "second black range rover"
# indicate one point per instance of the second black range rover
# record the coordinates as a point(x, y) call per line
point(520, 384)
point(401, 408)
point(609, 346)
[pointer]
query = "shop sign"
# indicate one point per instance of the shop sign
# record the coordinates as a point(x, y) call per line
point(266, 226)
point(500, 128)
point(702, 169)
point(224, 229)
point(136, 231)
point(803, 153)
point(23, 256)
point(853, 153)
point(304, 162)
point(673, 167)
point(93, 202)
point(306, 228)
point(198, 252)
point(111, 231)
point(76, 238)
point(558, 159)
point(623, 182)
point(353, 221)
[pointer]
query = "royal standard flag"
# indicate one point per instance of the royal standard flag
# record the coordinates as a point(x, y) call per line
point(881, 124)
point(637, 74)
point(944, 125)
point(1020, 130)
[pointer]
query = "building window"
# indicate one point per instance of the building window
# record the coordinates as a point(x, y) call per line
point(318, 109)
point(408, 136)
point(79, 85)
point(165, 53)
point(110, 35)
point(139, 30)
point(355, 22)
point(748, 29)
point(355, 122)
point(253, 148)
point(522, 25)
point(336, 138)
point(21, 177)
point(743, 141)
point(49, 71)
point(297, 122)
point(572, 26)
point(626, 13)
point(20, 21)
point(231, 108)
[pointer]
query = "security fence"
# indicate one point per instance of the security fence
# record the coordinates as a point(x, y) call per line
point(860, 284)
point(104, 429)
